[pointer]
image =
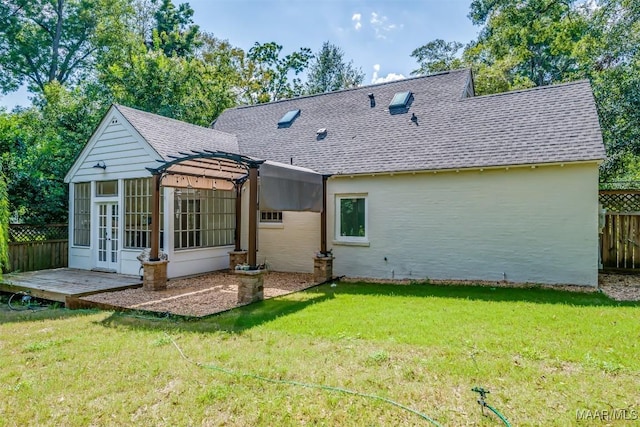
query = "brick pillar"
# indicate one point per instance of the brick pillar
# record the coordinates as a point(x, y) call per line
point(155, 275)
point(322, 269)
point(237, 258)
point(251, 286)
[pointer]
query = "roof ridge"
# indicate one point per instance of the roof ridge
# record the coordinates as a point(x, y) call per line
point(170, 119)
point(530, 89)
point(441, 73)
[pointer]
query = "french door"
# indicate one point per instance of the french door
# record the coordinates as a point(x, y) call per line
point(108, 243)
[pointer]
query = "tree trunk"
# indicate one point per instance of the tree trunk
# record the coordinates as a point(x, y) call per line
point(55, 45)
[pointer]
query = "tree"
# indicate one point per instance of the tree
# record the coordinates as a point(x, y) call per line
point(42, 41)
point(39, 146)
point(437, 55)
point(328, 71)
point(186, 89)
point(175, 33)
point(613, 66)
point(533, 43)
point(270, 72)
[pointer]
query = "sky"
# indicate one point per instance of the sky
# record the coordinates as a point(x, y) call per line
point(377, 35)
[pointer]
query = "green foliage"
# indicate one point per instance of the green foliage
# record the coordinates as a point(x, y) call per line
point(437, 55)
point(39, 146)
point(328, 71)
point(532, 43)
point(175, 33)
point(270, 71)
point(183, 88)
point(42, 41)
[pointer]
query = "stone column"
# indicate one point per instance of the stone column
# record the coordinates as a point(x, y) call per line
point(237, 258)
point(251, 286)
point(322, 269)
point(155, 275)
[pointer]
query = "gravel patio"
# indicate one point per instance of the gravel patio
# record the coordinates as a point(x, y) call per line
point(196, 296)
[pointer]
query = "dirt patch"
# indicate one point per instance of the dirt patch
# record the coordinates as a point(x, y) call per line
point(200, 295)
point(620, 287)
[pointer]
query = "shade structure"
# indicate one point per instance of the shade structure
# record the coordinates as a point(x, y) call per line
point(289, 188)
point(283, 187)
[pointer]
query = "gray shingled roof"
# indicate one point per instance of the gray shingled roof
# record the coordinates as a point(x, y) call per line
point(543, 125)
point(169, 136)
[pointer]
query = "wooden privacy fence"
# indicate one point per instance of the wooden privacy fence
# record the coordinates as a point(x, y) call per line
point(37, 247)
point(620, 237)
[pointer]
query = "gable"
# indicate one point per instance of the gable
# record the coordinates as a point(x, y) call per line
point(116, 144)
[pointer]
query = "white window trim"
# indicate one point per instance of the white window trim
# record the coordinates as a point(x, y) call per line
point(351, 240)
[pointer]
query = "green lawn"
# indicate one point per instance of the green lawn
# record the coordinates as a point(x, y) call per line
point(544, 355)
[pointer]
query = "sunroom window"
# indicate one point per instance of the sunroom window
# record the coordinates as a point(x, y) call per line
point(137, 213)
point(82, 214)
point(203, 218)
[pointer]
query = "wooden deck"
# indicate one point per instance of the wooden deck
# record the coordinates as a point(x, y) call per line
point(60, 283)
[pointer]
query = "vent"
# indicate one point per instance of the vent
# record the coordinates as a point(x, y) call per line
point(288, 118)
point(400, 101)
point(372, 100)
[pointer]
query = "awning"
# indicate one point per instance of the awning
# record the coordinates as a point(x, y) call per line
point(282, 187)
point(289, 188)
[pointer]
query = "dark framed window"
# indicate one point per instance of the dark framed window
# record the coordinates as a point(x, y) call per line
point(204, 218)
point(82, 214)
point(351, 218)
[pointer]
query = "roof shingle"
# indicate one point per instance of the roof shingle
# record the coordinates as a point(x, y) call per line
point(169, 136)
point(543, 125)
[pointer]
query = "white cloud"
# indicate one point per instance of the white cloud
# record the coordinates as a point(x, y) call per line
point(381, 26)
point(356, 18)
point(388, 78)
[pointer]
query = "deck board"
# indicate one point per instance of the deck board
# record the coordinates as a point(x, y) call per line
point(58, 284)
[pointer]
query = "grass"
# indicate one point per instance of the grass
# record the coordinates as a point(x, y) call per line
point(543, 354)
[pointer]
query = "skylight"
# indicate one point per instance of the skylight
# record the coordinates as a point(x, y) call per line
point(400, 100)
point(288, 118)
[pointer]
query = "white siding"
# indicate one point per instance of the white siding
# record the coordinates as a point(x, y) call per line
point(121, 149)
point(523, 224)
point(80, 257)
point(194, 261)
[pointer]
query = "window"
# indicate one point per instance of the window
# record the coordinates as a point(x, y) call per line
point(137, 213)
point(82, 214)
point(288, 118)
point(203, 218)
point(351, 214)
point(106, 188)
point(271, 216)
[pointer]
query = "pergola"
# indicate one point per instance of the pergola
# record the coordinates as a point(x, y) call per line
point(227, 171)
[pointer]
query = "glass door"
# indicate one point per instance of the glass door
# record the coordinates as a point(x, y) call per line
point(108, 244)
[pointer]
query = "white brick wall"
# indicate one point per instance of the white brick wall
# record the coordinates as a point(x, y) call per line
point(523, 224)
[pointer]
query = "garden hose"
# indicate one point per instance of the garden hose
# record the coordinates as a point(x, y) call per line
point(482, 392)
point(301, 384)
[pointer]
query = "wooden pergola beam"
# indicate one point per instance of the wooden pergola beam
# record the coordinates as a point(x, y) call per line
point(253, 215)
point(155, 219)
point(323, 217)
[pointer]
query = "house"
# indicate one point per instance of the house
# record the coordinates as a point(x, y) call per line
point(422, 179)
